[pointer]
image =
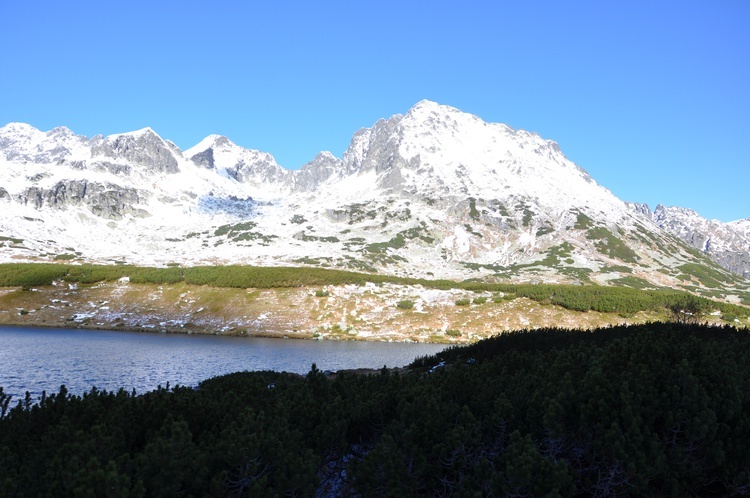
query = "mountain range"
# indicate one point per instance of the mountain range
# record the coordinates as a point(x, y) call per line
point(434, 193)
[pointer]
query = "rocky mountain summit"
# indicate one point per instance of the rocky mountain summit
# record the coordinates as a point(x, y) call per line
point(728, 244)
point(431, 193)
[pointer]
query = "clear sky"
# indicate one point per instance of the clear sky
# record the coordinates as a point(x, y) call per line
point(652, 98)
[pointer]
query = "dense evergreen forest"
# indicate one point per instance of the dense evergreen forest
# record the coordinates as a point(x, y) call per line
point(647, 410)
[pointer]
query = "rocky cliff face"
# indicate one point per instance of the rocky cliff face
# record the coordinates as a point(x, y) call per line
point(725, 243)
point(144, 149)
point(106, 200)
point(243, 165)
point(323, 167)
point(434, 192)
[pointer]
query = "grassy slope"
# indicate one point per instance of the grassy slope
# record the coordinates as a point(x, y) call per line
point(291, 302)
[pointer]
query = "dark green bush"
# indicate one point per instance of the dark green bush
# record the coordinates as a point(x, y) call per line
point(648, 410)
point(30, 275)
point(405, 304)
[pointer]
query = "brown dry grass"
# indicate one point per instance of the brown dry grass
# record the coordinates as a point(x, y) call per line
point(348, 312)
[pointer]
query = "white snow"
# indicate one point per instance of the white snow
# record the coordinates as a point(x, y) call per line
point(411, 172)
point(136, 133)
point(201, 146)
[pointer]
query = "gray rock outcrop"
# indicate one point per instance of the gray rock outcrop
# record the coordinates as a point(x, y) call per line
point(108, 201)
point(317, 171)
point(724, 244)
point(145, 149)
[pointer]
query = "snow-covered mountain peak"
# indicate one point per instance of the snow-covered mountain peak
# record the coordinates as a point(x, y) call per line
point(257, 170)
point(661, 211)
point(19, 136)
point(726, 243)
point(60, 131)
point(19, 130)
point(143, 132)
point(23, 142)
point(436, 117)
point(324, 167)
point(427, 104)
point(325, 154)
point(143, 148)
point(430, 108)
point(438, 149)
point(434, 191)
point(210, 142)
point(323, 157)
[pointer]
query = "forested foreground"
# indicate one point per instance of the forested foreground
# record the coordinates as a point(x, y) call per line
point(659, 409)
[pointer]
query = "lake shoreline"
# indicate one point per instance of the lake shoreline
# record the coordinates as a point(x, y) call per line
point(36, 359)
point(183, 332)
point(371, 313)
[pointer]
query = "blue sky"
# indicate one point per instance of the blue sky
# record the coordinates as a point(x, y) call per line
point(651, 98)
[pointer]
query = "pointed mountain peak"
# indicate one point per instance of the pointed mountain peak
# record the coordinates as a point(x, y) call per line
point(202, 153)
point(222, 141)
point(210, 142)
point(143, 132)
point(322, 161)
point(429, 107)
point(18, 129)
point(439, 116)
point(60, 131)
point(325, 155)
point(428, 104)
point(142, 147)
point(323, 166)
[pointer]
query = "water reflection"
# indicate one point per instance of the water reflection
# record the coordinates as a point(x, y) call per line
point(36, 359)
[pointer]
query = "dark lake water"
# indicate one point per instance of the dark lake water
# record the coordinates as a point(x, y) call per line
point(37, 359)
